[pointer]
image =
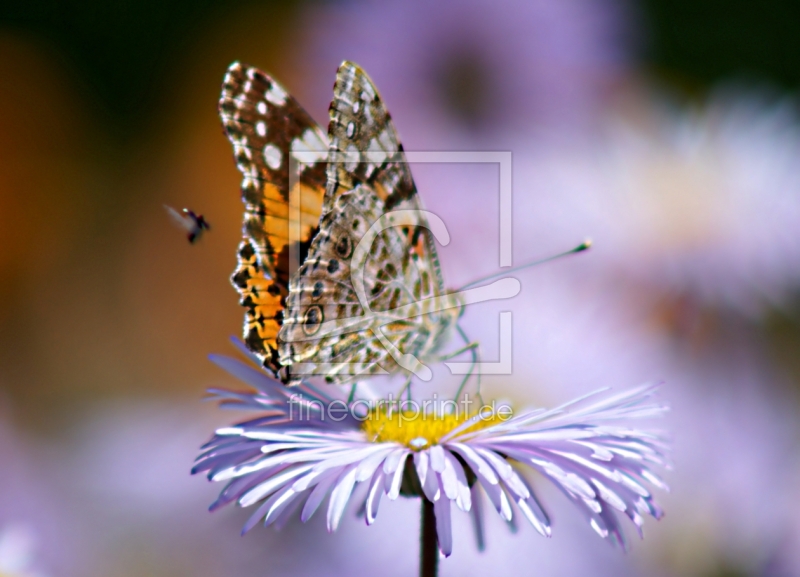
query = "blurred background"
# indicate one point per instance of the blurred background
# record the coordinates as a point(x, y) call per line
point(667, 131)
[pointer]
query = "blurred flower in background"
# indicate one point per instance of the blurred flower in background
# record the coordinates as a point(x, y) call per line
point(450, 71)
point(698, 204)
point(38, 533)
point(17, 552)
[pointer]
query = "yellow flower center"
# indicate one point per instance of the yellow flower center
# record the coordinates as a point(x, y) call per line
point(417, 430)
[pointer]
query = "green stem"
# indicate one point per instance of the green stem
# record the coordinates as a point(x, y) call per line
point(429, 548)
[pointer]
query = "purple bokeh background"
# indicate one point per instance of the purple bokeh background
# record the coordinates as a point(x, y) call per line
point(693, 204)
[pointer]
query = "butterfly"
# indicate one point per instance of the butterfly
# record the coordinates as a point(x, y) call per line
point(325, 292)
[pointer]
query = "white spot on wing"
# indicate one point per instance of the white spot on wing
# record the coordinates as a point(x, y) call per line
point(375, 152)
point(272, 156)
point(262, 107)
point(388, 141)
point(316, 141)
point(250, 182)
point(351, 129)
point(349, 77)
point(351, 158)
point(276, 94)
point(368, 93)
point(261, 129)
point(309, 147)
point(242, 150)
point(356, 106)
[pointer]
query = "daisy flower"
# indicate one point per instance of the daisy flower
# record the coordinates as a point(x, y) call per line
point(307, 445)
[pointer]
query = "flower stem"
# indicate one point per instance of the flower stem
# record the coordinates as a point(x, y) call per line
point(428, 546)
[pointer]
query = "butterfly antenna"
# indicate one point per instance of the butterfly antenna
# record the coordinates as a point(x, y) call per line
point(580, 248)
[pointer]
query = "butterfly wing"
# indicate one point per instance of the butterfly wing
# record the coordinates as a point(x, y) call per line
point(281, 153)
point(327, 330)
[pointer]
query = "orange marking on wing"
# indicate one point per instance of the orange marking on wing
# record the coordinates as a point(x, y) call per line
point(380, 190)
point(417, 248)
point(272, 192)
point(265, 307)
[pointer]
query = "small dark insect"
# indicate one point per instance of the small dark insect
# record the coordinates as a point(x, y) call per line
point(193, 224)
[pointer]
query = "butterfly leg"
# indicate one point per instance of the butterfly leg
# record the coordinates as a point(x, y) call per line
point(470, 346)
point(474, 349)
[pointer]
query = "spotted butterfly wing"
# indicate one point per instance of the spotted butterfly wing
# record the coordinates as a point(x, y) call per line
point(341, 318)
point(281, 153)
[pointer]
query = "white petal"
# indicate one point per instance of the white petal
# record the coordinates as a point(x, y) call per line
point(437, 458)
point(444, 533)
point(262, 490)
point(374, 497)
point(599, 452)
point(476, 462)
point(318, 494)
point(347, 457)
point(502, 468)
point(494, 492)
point(464, 497)
point(339, 497)
point(477, 518)
point(309, 480)
point(612, 474)
point(505, 507)
point(251, 467)
point(534, 519)
point(275, 447)
point(367, 467)
point(279, 505)
point(431, 488)
point(449, 479)
point(600, 531)
point(631, 484)
point(506, 472)
point(570, 481)
point(421, 464)
point(593, 505)
point(394, 459)
point(609, 496)
point(266, 507)
point(655, 480)
point(397, 478)
point(288, 512)
point(544, 436)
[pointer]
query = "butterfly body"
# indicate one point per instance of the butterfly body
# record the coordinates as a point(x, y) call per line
point(365, 293)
